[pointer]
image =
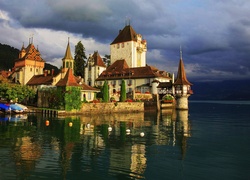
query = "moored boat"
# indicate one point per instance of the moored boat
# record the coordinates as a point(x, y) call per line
point(4, 108)
point(15, 108)
point(25, 108)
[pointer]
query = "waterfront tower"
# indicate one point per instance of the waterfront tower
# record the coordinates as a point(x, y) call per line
point(182, 87)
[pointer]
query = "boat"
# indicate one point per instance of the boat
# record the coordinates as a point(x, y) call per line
point(4, 108)
point(15, 108)
point(25, 108)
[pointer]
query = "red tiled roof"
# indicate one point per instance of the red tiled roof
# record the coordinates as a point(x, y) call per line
point(181, 75)
point(127, 34)
point(98, 60)
point(88, 88)
point(40, 79)
point(5, 74)
point(68, 80)
point(31, 53)
point(120, 70)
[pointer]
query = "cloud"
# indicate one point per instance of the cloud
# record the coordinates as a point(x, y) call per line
point(214, 35)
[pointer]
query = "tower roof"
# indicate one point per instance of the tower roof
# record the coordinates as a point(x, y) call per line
point(127, 34)
point(68, 80)
point(68, 53)
point(31, 53)
point(98, 60)
point(181, 75)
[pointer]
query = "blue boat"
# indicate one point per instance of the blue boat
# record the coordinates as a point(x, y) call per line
point(15, 108)
point(4, 108)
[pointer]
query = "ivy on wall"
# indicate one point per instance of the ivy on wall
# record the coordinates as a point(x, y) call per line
point(68, 98)
point(72, 98)
point(56, 98)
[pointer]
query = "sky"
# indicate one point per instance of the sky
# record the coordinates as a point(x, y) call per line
point(214, 35)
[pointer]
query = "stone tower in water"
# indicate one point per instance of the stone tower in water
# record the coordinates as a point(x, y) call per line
point(182, 87)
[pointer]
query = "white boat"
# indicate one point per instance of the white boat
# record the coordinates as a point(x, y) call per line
point(25, 108)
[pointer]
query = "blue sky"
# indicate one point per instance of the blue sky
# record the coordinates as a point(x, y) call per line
point(214, 34)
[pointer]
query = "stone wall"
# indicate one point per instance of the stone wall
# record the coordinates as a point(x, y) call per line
point(112, 107)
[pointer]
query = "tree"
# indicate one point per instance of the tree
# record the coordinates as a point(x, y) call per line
point(123, 92)
point(106, 60)
point(16, 92)
point(80, 60)
point(105, 92)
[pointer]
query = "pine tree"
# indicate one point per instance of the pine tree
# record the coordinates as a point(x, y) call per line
point(105, 92)
point(80, 60)
point(106, 60)
point(123, 92)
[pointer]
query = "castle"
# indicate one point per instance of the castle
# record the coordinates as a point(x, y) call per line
point(128, 62)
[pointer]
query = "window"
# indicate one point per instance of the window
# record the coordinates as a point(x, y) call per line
point(30, 69)
point(89, 96)
point(147, 81)
point(129, 82)
point(122, 45)
point(118, 46)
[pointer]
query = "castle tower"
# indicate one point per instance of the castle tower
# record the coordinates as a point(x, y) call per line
point(95, 66)
point(28, 64)
point(182, 87)
point(129, 46)
point(68, 61)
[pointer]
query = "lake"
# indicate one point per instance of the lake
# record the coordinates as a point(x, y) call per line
point(209, 141)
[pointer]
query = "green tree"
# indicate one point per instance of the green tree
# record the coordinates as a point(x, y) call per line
point(123, 92)
point(80, 59)
point(105, 92)
point(106, 60)
point(16, 92)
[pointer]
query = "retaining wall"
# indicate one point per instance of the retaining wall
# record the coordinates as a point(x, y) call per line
point(112, 107)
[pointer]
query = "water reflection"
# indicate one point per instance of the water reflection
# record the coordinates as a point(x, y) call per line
point(114, 145)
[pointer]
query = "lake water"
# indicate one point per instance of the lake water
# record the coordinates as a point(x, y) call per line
point(210, 141)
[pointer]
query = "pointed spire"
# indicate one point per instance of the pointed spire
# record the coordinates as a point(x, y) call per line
point(68, 52)
point(181, 75)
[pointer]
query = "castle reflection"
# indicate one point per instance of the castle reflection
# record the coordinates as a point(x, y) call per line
point(121, 140)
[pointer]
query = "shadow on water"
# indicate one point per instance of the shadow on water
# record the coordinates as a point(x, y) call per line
point(91, 146)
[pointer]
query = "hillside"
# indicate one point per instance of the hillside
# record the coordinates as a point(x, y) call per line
point(8, 55)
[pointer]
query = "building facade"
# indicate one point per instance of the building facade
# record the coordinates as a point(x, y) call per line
point(28, 64)
point(130, 46)
point(95, 66)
